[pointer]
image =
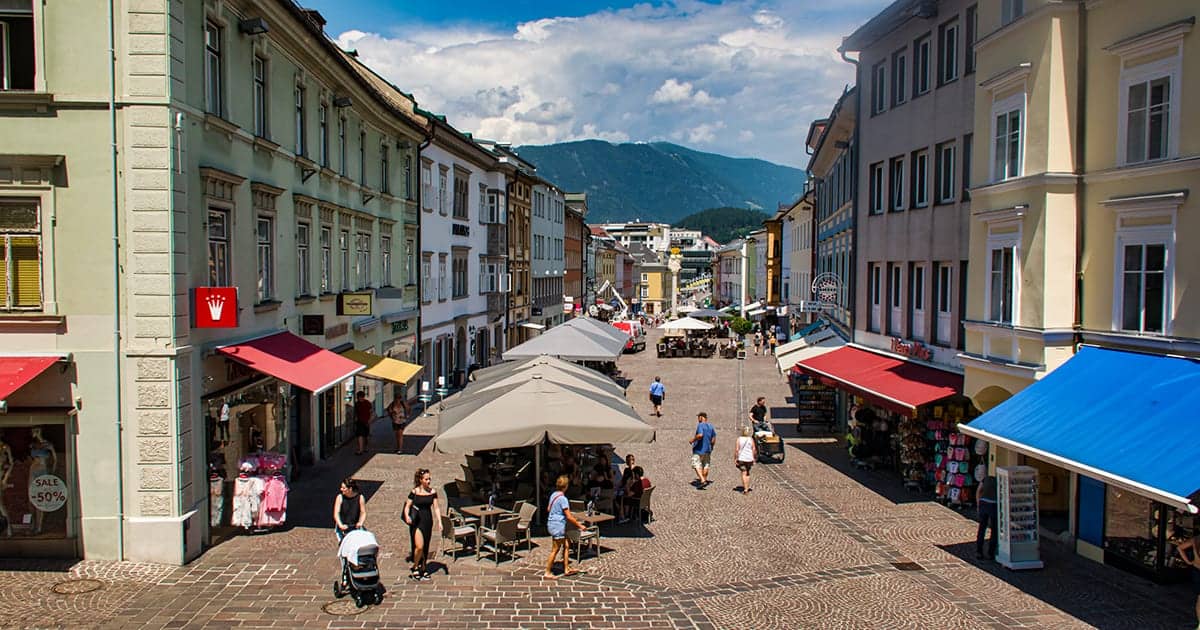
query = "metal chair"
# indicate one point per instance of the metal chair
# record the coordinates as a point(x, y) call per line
point(525, 513)
point(644, 508)
point(504, 535)
point(587, 537)
point(454, 530)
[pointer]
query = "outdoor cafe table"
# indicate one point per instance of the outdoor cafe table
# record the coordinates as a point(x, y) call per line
point(485, 514)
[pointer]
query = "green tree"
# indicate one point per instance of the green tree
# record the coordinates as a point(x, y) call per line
point(741, 325)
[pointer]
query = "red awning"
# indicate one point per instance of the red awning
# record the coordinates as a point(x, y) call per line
point(16, 372)
point(290, 358)
point(892, 383)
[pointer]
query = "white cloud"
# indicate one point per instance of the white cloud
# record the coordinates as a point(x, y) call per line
point(743, 77)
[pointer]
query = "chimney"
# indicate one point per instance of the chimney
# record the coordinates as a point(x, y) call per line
point(316, 17)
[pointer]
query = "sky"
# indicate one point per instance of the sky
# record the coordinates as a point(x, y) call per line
point(742, 77)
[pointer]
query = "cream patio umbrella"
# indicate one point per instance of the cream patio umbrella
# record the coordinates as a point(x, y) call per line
point(686, 323)
point(546, 367)
point(569, 343)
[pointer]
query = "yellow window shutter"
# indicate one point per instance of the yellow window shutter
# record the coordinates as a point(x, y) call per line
point(27, 271)
point(3, 273)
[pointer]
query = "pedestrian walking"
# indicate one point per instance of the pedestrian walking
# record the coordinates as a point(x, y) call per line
point(1192, 547)
point(657, 392)
point(702, 447)
point(758, 342)
point(418, 513)
point(772, 341)
point(987, 518)
point(349, 508)
point(364, 413)
point(745, 453)
point(398, 411)
point(558, 514)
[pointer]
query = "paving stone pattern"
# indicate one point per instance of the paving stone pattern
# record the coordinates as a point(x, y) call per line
point(816, 544)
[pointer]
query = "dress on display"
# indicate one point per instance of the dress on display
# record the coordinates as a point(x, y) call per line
point(216, 500)
point(273, 509)
point(247, 496)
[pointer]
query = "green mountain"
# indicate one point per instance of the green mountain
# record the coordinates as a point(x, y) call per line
point(659, 181)
point(724, 224)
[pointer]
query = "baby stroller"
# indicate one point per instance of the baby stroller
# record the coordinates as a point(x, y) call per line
point(360, 573)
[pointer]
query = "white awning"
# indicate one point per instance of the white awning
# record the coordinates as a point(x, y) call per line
point(815, 344)
point(532, 325)
point(753, 305)
point(756, 312)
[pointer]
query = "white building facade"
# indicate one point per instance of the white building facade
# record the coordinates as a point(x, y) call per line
point(548, 265)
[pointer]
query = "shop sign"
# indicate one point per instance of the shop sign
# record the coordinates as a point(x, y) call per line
point(914, 349)
point(400, 326)
point(337, 330)
point(355, 304)
point(215, 307)
point(459, 229)
point(312, 324)
point(47, 493)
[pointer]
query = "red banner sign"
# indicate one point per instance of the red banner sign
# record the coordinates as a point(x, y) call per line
point(215, 307)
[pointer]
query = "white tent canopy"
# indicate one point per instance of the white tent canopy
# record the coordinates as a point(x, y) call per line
point(818, 343)
point(686, 323)
point(570, 343)
point(588, 324)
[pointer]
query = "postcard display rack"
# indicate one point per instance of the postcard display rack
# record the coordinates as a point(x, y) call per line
point(1018, 495)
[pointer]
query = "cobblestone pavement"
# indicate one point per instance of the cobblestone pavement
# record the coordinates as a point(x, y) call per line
point(815, 545)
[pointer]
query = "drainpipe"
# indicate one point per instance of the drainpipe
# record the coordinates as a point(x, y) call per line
point(420, 278)
point(851, 283)
point(1080, 157)
point(116, 277)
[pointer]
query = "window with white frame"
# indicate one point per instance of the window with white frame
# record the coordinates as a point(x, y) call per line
point(301, 132)
point(1002, 286)
point(944, 288)
point(264, 236)
point(427, 288)
point(947, 182)
point(895, 286)
point(1010, 10)
point(410, 260)
point(1144, 280)
point(362, 260)
point(462, 195)
point(1007, 142)
point(896, 184)
point(302, 258)
point(408, 175)
point(443, 184)
point(918, 288)
point(1150, 115)
point(922, 69)
point(458, 267)
point(899, 76)
point(323, 133)
point(385, 166)
point(427, 186)
point(385, 261)
point(875, 279)
point(214, 94)
point(483, 202)
point(344, 244)
point(20, 255)
point(948, 52)
point(17, 58)
point(442, 286)
point(876, 199)
point(920, 179)
point(219, 232)
point(362, 154)
point(326, 259)
point(878, 87)
point(259, 73)
point(341, 146)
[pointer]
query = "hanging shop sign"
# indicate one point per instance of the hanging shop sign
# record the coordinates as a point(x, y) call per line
point(355, 304)
point(400, 326)
point(914, 349)
point(215, 307)
point(47, 493)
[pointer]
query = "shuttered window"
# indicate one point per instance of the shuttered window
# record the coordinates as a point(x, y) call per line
point(20, 256)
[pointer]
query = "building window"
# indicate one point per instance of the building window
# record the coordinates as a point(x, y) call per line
point(921, 67)
point(947, 183)
point(342, 146)
point(323, 132)
point(426, 278)
point(483, 201)
point(344, 245)
point(972, 26)
point(1001, 288)
point(259, 70)
point(214, 94)
point(17, 65)
point(385, 261)
point(301, 134)
point(326, 259)
point(948, 52)
point(876, 188)
point(443, 184)
point(362, 260)
point(20, 256)
point(426, 186)
point(1147, 117)
point(1143, 294)
point(1006, 136)
point(264, 237)
point(384, 167)
point(899, 77)
point(1010, 10)
point(920, 179)
point(875, 279)
point(895, 293)
point(218, 247)
point(441, 277)
point(918, 288)
point(896, 184)
point(459, 278)
point(408, 176)
point(410, 261)
point(362, 155)
point(878, 88)
point(302, 268)
point(968, 146)
point(461, 195)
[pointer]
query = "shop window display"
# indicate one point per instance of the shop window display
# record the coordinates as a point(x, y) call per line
point(1142, 533)
point(34, 482)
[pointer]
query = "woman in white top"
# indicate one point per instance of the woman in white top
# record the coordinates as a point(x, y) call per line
point(745, 453)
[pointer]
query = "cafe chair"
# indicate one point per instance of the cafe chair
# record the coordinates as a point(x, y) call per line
point(525, 512)
point(578, 506)
point(503, 536)
point(606, 502)
point(587, 537)
point(455, 530)
point(645, 513)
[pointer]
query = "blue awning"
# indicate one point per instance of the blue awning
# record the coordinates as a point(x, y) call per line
point(808, 330)
point(1126, 418)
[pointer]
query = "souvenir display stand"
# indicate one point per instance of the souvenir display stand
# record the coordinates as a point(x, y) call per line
point(1017, 491)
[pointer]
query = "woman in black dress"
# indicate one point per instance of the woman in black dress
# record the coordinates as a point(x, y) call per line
point(418, 513)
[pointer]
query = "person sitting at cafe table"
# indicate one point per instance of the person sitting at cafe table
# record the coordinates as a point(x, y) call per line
point(633, 495)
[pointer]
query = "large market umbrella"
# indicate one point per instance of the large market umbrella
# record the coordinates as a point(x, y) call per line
point(686, 323)
point(708, 312)
point(569, 343)
point(539, 409)
point(549, 368)
point(594, 325)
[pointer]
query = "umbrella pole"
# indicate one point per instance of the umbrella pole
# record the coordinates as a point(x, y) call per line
point(537, 481)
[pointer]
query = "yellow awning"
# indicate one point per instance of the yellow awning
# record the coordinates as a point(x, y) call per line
point(385, 368)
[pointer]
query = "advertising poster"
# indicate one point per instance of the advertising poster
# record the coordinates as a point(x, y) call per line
point(34, 489)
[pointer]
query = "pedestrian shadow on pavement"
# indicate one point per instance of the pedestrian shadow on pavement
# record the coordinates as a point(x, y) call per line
point(414, 444)
point(1099, 595)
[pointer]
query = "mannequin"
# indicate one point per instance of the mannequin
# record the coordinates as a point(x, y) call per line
point(43, 461)
point(6, 466)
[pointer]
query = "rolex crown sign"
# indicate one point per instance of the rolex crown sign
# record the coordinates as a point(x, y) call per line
point(215, 307)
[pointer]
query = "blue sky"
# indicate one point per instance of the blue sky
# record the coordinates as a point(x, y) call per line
point(739, 77)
